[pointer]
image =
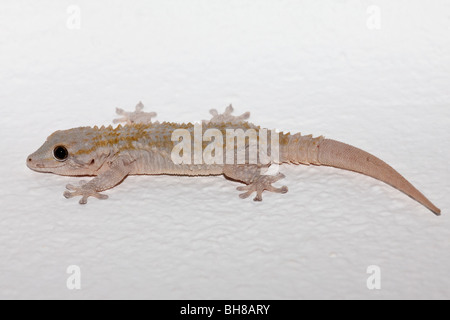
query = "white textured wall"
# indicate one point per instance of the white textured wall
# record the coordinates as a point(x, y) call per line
point(312, 66)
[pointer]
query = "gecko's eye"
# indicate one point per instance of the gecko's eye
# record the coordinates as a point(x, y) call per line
point(60, 153)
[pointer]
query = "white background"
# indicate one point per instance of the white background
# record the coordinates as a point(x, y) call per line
point(317, 67)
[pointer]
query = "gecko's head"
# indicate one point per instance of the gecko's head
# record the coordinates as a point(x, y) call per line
point(67, 152)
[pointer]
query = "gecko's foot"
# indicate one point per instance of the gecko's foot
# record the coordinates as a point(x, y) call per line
point(137, 116)
point(227, 117)
point(263, 182)
point(83, 190)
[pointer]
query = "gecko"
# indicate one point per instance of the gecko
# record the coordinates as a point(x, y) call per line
point(143, 147)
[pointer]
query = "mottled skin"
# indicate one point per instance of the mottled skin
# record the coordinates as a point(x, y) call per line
point(142, 147)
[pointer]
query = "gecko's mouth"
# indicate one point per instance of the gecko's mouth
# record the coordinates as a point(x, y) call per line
point(36, 166)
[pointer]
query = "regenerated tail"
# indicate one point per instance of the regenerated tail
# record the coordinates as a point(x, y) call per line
point(340, 155)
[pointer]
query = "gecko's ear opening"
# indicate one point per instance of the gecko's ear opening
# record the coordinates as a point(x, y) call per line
point(60, 153)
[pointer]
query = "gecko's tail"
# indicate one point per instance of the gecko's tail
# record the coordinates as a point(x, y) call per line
point(340, 155)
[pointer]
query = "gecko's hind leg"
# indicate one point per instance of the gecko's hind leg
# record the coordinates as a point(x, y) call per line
point(137, 116)
point(227, 117)
point(256, 182)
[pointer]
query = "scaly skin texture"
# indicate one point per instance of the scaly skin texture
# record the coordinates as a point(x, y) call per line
point(142, 147)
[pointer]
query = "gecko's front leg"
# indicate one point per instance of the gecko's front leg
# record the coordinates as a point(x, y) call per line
point(85, 190)
point(137, 116)
point(116, 173)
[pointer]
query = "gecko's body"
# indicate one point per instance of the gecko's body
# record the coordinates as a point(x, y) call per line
point(142, 147)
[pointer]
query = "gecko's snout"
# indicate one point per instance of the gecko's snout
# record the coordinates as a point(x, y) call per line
point(32, 164)
point(36, 163)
